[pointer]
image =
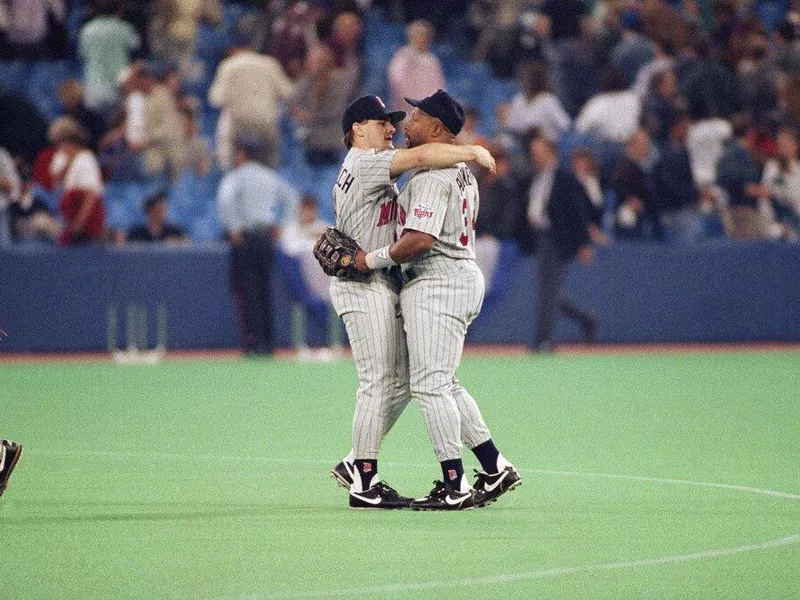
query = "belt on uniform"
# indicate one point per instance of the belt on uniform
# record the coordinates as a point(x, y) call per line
point(410, 274)
point(391, 273)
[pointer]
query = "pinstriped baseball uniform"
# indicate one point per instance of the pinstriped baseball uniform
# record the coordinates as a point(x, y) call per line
point(365, 202)
point(443, 297)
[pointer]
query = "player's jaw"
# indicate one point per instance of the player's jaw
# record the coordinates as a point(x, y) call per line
point(380, 134)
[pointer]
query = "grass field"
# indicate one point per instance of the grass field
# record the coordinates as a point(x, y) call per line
point(644, 476)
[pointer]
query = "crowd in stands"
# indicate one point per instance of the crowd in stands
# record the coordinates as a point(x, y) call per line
point(687, 109)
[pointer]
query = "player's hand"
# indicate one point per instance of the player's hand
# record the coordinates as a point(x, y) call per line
point(484, 158)
point(361, 262)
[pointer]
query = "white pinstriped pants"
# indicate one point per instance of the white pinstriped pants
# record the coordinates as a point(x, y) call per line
point(371, 314)
point(437, 307)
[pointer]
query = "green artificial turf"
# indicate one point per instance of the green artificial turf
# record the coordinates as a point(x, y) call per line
point(643, 476)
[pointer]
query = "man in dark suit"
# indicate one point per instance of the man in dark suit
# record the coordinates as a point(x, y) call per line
point(557, 220)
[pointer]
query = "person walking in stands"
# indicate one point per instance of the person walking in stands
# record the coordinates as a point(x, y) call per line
point(77, 169)
point(559, 219)
point(254, 201)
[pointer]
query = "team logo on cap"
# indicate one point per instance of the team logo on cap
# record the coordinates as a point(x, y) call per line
point(380, 101)
point(423, 212)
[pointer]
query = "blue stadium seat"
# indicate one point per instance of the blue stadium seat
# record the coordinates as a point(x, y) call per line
point(770, 12)
point(205, 227)
point(124, 201)
point(15, 73)
point(191, 195)
point(43, 82)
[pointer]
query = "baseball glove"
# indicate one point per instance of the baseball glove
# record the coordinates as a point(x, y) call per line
point(336, 254)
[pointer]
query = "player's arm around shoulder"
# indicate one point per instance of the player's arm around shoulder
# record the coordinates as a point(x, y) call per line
point(439, 156)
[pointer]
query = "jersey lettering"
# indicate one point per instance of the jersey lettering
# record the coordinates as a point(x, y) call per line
point(463, 179)
point(385, 217)
point(345, 181)
point(391, 212)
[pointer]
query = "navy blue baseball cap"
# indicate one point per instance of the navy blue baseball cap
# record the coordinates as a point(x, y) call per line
point(444, 107)
point(369, 107)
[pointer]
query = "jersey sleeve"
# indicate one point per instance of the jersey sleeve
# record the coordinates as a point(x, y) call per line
point(427, 199)
point(373, 171)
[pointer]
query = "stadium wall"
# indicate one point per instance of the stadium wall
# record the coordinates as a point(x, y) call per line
point(66, 300)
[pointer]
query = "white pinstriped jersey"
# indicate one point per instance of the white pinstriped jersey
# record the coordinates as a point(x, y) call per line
point(443, 203)
point(365, 198)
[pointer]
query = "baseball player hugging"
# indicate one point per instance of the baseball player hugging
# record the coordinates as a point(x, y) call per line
point(366, 293)
point(442, 294)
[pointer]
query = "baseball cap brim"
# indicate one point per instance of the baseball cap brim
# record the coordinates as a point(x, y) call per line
point(396, 116)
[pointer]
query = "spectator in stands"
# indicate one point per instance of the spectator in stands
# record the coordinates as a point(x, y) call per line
point(163, 122)
point(30, 25)
point(663, 60)
point(414, 71)
point(663, 100)
point(706, 141)
point(345, 41)
point(555, 218)
point(508, 34)
point(572, 72)
point(105, 46)
point(291, 34)
point(70, 93)
point(757, 77)
point(611, 117)
point(321, 99)
point(632, 182)
point(157, 228)
point(677, 196)
point(613, 114)
point(77, 170)
point(739, 175)
point(10, 190)
point(193, 151)
point(709, 85)
point(256, 26)
point(249, 88)
point(122, 149)
point(786, 54)
point(306, 283)
point(30, 218)
point(254, 202)
point(535, 106)
point(782, 177)
point(498, 190)
point(665, 23)
point(23, 130)
point(137, 85)
point(634, 50)
point(174, 31)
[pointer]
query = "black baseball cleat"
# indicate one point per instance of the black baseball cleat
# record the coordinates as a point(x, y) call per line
point(379, 496)
point(442, 497)
point(495, 485)
point(343, 474)
point(9, 455)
